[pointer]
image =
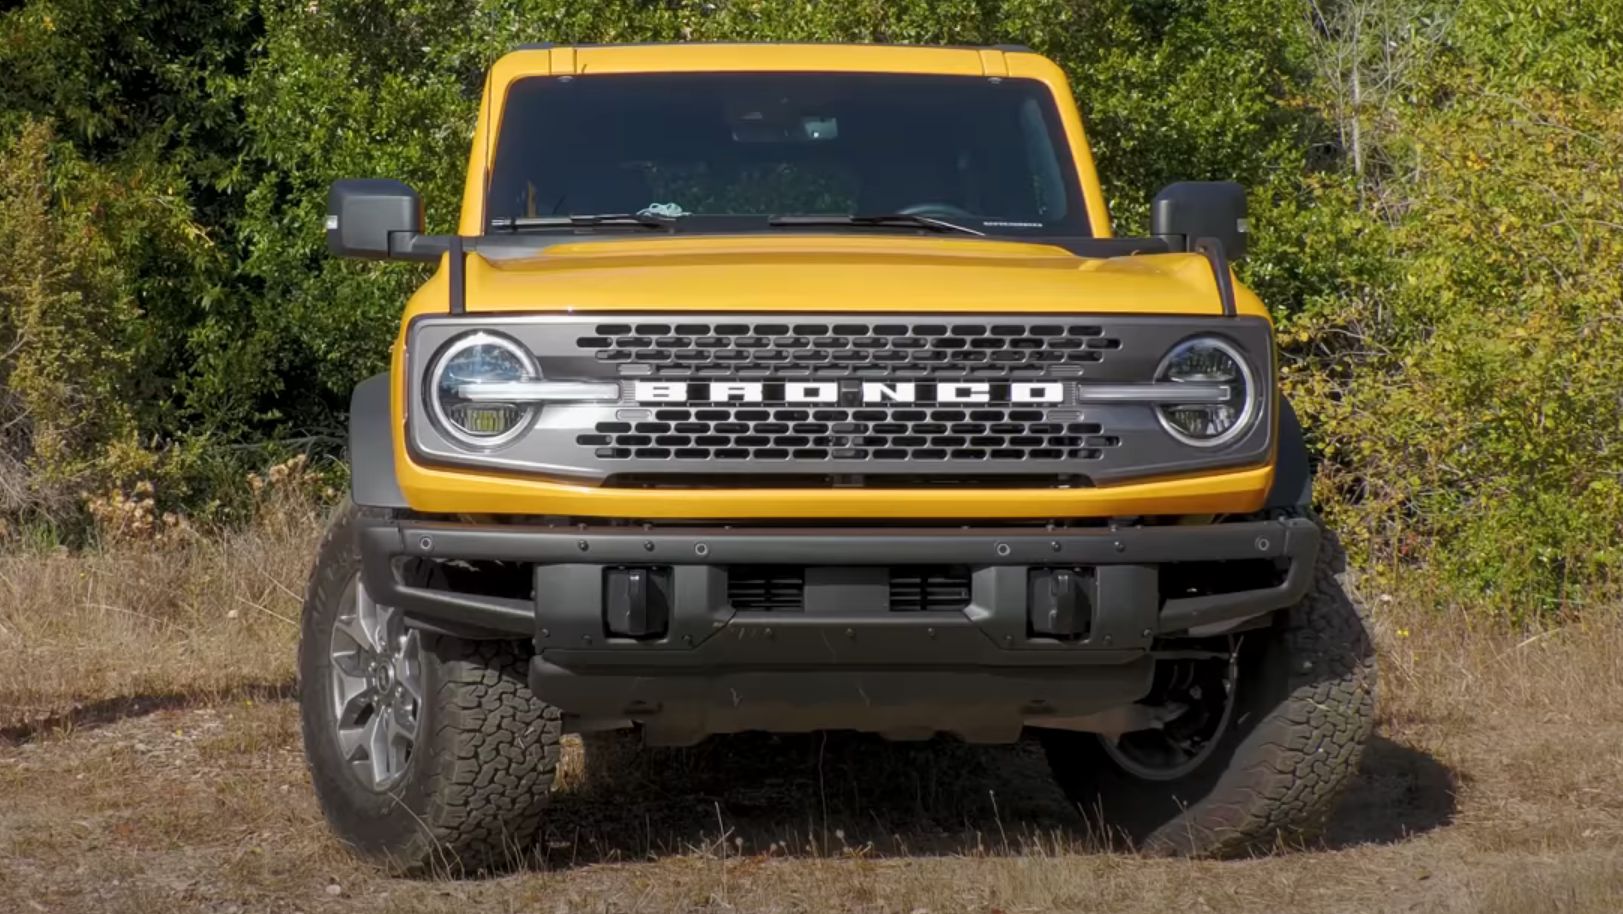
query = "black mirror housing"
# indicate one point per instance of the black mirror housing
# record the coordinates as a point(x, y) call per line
point(373, 219)
point(1185, 212)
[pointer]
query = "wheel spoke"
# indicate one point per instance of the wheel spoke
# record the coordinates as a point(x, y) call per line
point(352, 744)
point(388, 621)
point(350, 626)
point(409, 669)
point(353, 708)
point(370, 616)
point(350, 664)
point(377, 748)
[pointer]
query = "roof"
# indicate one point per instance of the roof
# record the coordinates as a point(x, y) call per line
point(563, 60)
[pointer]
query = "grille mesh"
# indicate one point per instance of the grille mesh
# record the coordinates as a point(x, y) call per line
point(760, 349)
point(927, 589)
point(878, 434)
point(912, 588)
point(765, 588)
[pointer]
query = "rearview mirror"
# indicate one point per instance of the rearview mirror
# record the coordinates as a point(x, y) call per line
point(1187, 211)
point(373, 219)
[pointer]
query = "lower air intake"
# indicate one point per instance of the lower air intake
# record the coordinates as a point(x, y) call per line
point(928, 589)
point(766, 589)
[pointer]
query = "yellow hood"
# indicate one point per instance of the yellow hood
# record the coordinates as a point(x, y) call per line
point(810, 273)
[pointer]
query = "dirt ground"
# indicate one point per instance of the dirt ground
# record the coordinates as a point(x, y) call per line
point(150, 761)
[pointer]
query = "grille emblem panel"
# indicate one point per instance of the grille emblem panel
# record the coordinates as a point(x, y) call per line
point(1014, 393)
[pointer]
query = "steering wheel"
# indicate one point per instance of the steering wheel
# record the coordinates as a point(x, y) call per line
point(935, 209)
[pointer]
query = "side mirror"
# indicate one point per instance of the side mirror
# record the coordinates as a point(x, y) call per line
point(1190, 210)
point(373, 219)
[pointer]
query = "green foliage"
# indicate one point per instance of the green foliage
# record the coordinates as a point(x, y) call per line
point(1434, 193)
point(1473, 409)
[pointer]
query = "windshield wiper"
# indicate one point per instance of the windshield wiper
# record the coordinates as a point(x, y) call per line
point(908, 220)
point(587, 220)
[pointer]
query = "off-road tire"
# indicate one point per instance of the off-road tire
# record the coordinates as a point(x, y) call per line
point(1304, 707)
point(487, 749)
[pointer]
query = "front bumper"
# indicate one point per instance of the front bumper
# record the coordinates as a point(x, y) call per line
point(844, 658)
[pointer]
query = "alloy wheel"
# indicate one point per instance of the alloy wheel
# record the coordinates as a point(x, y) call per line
point(377, 688)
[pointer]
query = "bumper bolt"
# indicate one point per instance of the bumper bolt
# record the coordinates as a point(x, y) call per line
point(1054, 546)
point(1003, 549)
point(701, 550)
point(1262, 544)
point(648, 545)
point(582, 545)
point(426, 543)
point(1120, 546)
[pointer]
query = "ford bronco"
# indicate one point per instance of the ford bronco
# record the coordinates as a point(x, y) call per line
point(793, 388)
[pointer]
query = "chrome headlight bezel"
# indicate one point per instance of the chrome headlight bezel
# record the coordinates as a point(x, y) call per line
point(1249, 396)
point(436, 407)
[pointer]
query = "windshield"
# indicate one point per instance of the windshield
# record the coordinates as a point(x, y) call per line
point(729, 151)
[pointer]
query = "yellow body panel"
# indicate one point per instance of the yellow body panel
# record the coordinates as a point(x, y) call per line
point(810, 273)
point(837, 273)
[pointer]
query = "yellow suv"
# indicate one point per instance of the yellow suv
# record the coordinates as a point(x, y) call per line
point(792, 387)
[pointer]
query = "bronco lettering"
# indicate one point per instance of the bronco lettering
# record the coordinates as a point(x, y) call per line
point(1024, 393)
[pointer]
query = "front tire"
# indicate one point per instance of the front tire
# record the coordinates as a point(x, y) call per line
point(428, 754)
point(1303, 706)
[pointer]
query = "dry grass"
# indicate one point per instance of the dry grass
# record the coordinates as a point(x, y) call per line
point(178, 617)
point(149, 761)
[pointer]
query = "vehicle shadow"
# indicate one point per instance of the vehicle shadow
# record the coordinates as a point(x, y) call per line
point(1400, 792)
point(844, 794)
point(92, 714)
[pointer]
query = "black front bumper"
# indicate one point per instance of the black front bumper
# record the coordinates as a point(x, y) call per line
point(844, 659)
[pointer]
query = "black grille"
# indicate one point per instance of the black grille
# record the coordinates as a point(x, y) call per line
point(761, 588)
point(928, 589)
point(761, 349)
point(877, 434)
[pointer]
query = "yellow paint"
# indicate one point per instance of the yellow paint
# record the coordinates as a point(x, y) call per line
point(801, 272)
point(812, 273)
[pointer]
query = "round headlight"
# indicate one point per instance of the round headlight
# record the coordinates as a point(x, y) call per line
point(1226, 401)
point(466, 363)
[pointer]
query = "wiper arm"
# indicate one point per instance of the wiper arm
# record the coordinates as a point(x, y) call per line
point(908, 220)
point(543, 223)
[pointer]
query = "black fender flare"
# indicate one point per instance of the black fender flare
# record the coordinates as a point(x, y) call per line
point(1293, 472)
point(372, 482)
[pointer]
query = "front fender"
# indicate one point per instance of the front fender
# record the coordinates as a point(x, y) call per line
point(1293, 472)
point(372, 481)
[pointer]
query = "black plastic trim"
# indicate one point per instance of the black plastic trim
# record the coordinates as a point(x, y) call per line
point(372, 481)
point(984, 705)
point(846, 659)
point(1125, 558)
point(1293, 470)
point(1213, 250)
point(855, 546)
point(458, 276)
